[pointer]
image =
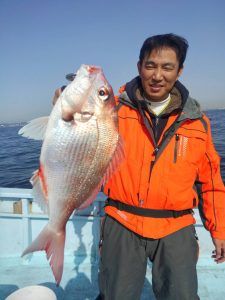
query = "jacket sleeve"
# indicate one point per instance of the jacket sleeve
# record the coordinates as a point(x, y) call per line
point(212, 190)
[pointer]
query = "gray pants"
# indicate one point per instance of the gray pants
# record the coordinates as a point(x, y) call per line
point(124, 257)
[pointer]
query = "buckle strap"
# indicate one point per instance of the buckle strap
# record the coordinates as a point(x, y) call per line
point(147, 212)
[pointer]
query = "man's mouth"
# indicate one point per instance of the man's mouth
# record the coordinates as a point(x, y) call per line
point(155, 87)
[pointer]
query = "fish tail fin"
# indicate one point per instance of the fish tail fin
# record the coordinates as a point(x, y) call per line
point(53, 243)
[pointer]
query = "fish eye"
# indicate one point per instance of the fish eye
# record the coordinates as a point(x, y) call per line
point(103, 94)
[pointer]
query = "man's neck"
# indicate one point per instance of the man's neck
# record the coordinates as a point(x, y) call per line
point(158, 106)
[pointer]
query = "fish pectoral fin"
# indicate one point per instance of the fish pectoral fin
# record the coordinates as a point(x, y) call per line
point(53, 243)
point(115, 162)
point(35, 129)
point(39, 190)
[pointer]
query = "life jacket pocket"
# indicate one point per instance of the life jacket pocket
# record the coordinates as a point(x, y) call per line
point(189, 145)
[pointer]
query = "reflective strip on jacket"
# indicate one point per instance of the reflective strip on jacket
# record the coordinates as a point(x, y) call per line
point(165, 177)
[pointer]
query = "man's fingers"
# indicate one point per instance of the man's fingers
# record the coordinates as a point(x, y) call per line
point(56, 96)
point(219, 260)
point(218, 255)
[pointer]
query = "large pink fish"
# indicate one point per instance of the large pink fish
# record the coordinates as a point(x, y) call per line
point(77, 156)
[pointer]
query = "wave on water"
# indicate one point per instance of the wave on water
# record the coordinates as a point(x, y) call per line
point(19, 156)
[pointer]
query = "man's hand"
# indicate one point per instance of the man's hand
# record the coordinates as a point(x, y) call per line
point(58, 92)
point(219, 252)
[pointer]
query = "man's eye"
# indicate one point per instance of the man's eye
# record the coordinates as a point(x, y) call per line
point(168, 68)
point(150, 67)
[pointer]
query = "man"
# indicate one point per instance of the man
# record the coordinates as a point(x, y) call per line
point(168, 148)
point(170, 167)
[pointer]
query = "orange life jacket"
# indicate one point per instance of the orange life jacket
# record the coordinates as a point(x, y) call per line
point(163, 176)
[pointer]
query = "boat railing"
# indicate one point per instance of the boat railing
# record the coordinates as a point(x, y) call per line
point(21, 220)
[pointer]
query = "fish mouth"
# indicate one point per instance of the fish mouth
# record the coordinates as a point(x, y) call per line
point(83, 116)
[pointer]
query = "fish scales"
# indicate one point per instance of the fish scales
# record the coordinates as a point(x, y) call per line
point(79, 159)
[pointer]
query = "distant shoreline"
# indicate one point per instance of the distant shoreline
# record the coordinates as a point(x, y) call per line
point(14, 124)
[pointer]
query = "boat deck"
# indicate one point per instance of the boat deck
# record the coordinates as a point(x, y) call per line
point(80, 282)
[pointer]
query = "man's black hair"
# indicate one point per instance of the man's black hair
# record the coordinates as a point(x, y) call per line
point(170, 40)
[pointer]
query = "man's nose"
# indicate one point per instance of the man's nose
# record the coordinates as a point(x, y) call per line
point(157, 75)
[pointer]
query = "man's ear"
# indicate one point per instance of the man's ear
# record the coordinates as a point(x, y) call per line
point(180, 72)
point(139, 66)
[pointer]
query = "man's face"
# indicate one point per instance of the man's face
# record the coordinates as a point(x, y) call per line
point(159, 72)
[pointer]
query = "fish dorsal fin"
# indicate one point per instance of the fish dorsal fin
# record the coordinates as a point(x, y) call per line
point(116, 161)
point(39, 190)
point(90, 199)
point(35, 129)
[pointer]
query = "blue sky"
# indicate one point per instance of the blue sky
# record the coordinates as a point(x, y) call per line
point(43, 40)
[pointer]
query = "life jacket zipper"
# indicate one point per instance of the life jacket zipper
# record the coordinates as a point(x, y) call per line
point(177, 138)
point(151, 167)
point(152, 162)
point(156, 128)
